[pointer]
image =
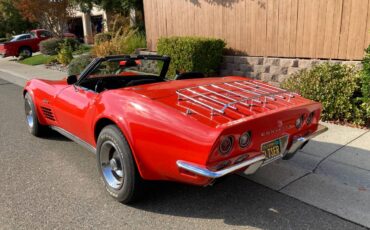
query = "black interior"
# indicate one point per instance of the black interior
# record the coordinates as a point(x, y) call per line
point(100, 84)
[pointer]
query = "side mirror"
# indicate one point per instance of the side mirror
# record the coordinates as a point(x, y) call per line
point(71, 79)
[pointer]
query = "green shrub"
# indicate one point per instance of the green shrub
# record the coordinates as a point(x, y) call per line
point(192, 53)
point(65, 53)
point(102, 37)
point(82, 49)
point(78, 64)
point(135, 41)
point(73, 43)
point(50, 46)
point(365, 82)
point(122, 42)
point(336, 86)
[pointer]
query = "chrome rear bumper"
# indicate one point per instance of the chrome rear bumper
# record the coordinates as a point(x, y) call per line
point(300, 142)
point(203, 171)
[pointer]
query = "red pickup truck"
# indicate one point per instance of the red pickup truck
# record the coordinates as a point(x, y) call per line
point(24, 44)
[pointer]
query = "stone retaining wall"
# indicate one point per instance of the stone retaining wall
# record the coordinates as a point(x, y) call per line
point(273, 70)
point(269, 69)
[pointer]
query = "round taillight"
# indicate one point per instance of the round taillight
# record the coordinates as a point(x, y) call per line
point(226, 145)
point(310, 118)
point(299, 122)
point(245, 139)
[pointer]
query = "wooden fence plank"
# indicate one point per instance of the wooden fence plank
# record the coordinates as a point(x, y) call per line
point(300, 29)
point(271, 30)
point(357, 29)
point(293, 28)
point(321, 26)
point(344, 33)
point(367, 31)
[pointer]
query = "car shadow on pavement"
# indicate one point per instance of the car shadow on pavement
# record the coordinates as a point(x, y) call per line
point(55, 136)
point(236, 200)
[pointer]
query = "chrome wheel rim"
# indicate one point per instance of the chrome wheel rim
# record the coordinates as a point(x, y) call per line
point(29, 113)
point(26, 53)
point(111, 165)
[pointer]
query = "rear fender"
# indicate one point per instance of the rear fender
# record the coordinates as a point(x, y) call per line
point(157, 135)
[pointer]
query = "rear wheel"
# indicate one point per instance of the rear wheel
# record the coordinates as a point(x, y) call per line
point(25, 52)
point(117, 166)
point(34, 127)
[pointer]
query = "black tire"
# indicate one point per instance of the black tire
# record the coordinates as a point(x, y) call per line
point(117, 166)
point(25, 52)
point(34, 126)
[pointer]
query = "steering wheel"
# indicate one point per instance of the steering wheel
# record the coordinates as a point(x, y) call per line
point(100, 86)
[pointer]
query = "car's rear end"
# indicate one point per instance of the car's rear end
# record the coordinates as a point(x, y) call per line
point(4, 50)
point(258, 124)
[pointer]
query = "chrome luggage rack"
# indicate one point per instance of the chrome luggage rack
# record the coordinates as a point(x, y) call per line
point(218, 97)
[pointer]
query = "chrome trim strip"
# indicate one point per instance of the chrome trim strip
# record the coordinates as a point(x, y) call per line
point(202, 171)
point(74, 138)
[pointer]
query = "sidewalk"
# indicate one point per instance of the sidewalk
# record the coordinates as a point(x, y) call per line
point(26, 72)
point(332, 172)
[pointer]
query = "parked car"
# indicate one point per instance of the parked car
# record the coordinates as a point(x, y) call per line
point(20, 37)
point(26, 44)
point(193, 129)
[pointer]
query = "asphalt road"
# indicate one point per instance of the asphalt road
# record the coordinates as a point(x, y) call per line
point(53, 183)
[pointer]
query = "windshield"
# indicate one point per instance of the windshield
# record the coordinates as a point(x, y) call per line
point(127, 67)
point(20, 37)
point(114, 72)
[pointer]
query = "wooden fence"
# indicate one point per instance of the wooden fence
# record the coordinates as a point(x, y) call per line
point(328, 29)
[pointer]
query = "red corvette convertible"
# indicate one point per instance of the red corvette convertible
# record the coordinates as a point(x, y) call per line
point(193, 129)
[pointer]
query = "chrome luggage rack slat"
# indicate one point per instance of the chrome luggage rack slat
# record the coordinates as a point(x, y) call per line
point(226, 95)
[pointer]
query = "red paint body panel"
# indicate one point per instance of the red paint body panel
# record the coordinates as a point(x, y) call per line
point(157, 127)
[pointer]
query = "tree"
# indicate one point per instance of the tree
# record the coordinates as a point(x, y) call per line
point(113, 6)
point(53, 15)
point(11, 20)
point(128, 8)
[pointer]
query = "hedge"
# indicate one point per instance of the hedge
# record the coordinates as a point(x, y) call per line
point(192, 54)
point(365, 82)
point(336, 86)
point(78, 64)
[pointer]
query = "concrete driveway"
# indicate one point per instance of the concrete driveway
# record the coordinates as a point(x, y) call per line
point(332, 172)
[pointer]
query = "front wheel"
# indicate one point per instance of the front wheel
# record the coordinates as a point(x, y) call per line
point(117, 166)
point(34, 126)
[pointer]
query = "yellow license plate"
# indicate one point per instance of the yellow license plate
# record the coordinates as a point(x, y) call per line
point(271, 149)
